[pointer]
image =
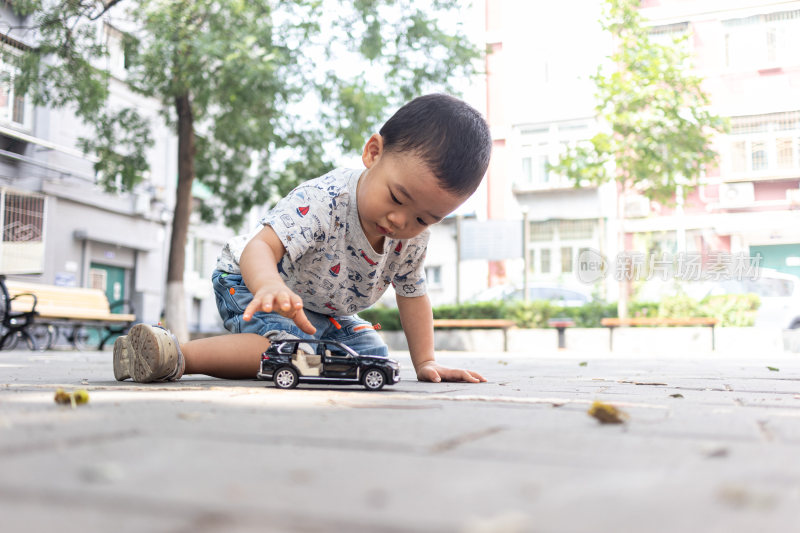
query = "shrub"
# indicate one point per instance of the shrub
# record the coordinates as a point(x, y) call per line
point(729, 309)
point(492, 309)
point(387, 317)
point(679, 306)
point(532, 314)
point(734, 310)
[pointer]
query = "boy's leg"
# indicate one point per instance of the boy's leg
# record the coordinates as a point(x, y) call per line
point(359, 335)
point(236, 356)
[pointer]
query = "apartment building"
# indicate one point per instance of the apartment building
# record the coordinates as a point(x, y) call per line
point(60, 227)
point(540, 99)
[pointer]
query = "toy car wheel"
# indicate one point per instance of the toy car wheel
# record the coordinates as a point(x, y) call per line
point(285, 378)
point(374, 379)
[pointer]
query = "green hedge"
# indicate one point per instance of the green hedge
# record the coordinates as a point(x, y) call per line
point(730, 309)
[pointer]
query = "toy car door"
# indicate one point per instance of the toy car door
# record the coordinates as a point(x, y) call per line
point(337, 363)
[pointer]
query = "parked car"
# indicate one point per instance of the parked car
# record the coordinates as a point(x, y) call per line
point(778, 292)
point(287, 363)
point(557, 294)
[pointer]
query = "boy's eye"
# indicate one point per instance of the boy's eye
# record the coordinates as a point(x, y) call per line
point(394, 198)
point(422, 222)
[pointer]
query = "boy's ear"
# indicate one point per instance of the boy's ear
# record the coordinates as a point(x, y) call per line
point(372, 150)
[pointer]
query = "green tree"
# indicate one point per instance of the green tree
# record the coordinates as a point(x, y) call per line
point(656, 125)
point(261, 94)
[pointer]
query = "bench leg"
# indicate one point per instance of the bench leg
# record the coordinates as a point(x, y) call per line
point(505, 339)
point(5, 338)
point(562, 338)
point(713, 340)
point(611, 339)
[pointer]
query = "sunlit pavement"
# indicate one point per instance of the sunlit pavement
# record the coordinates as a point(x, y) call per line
point(712, 443)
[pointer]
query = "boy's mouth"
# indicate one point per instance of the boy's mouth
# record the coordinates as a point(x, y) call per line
point(382, 230)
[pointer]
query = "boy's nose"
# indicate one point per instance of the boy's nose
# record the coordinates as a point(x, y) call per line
point(397, 219)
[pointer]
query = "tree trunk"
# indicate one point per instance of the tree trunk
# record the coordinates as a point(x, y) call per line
point(175, 308)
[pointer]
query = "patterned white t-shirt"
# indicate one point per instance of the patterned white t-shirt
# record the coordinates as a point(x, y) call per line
point(329, 262)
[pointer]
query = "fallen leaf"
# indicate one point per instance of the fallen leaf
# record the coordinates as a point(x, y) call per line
point(676, 395)
point(81, 396)
point(501, 362)
point(77, 397)
point(607, 413)
point(62, 397)
point(772, 368)
point(583, 363)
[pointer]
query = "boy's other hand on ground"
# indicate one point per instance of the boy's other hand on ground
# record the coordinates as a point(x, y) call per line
point(433, 371)
point(280, 299)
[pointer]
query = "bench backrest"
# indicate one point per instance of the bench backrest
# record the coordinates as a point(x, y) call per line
point(55, 301)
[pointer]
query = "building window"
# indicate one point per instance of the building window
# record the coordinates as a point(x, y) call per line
point(540, 146)
point(566, 259)
point(575, 229)
point(542, 231)
point(785, 152)
point(763, 145)
point(759, 155)
point(198, 256)
point(118, 53)
point(666, 35)
point(22, 246)
point(762, 41)
point(544, 257)
point(14, 109)
point(433, 275)
point(532, 260)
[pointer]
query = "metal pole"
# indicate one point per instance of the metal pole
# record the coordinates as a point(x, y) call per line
point(458, 259)
point(525, 254)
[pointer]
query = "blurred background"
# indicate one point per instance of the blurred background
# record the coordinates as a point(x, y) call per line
point(658, 141)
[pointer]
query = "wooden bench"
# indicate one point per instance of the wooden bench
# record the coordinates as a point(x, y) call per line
point(477, 323)
point(71, 307)
point(612, 323)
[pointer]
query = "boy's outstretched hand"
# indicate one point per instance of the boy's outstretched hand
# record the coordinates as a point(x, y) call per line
point(433, 371)
point(278, 298)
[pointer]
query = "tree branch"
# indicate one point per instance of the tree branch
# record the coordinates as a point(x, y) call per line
point(106, 6)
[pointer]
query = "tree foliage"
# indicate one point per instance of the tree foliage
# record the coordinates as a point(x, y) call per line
point(656, 126)
point(277, 89)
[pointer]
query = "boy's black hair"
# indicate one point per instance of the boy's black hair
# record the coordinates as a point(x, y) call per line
point(449, 135)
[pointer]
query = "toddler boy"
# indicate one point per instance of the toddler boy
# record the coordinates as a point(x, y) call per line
point(330, 248)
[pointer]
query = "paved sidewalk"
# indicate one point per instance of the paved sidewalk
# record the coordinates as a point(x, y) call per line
point(517, 454)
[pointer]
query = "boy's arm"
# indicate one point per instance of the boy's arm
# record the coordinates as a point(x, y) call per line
point(259, 266)
point(416, 317)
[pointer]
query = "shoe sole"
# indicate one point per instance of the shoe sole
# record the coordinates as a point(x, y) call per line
point(148, 353)
point(122, 362)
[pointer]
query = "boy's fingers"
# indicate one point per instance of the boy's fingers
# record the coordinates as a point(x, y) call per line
point(303, 322)
point(251, 308)
point(477, 376)
point(283, 301)
point(430, 374)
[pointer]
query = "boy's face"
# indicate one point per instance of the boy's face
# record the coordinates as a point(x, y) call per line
point(398, 196)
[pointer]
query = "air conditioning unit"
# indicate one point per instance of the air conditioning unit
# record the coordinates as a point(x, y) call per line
point(736, 194)
point(636, 206)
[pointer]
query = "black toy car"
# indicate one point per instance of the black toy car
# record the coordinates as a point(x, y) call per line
point(287, 364)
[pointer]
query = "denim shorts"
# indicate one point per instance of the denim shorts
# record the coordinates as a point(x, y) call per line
point(233, 296)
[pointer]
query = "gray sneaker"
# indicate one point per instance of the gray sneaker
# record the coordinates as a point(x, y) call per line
point(122, 360)
point(146, 354)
